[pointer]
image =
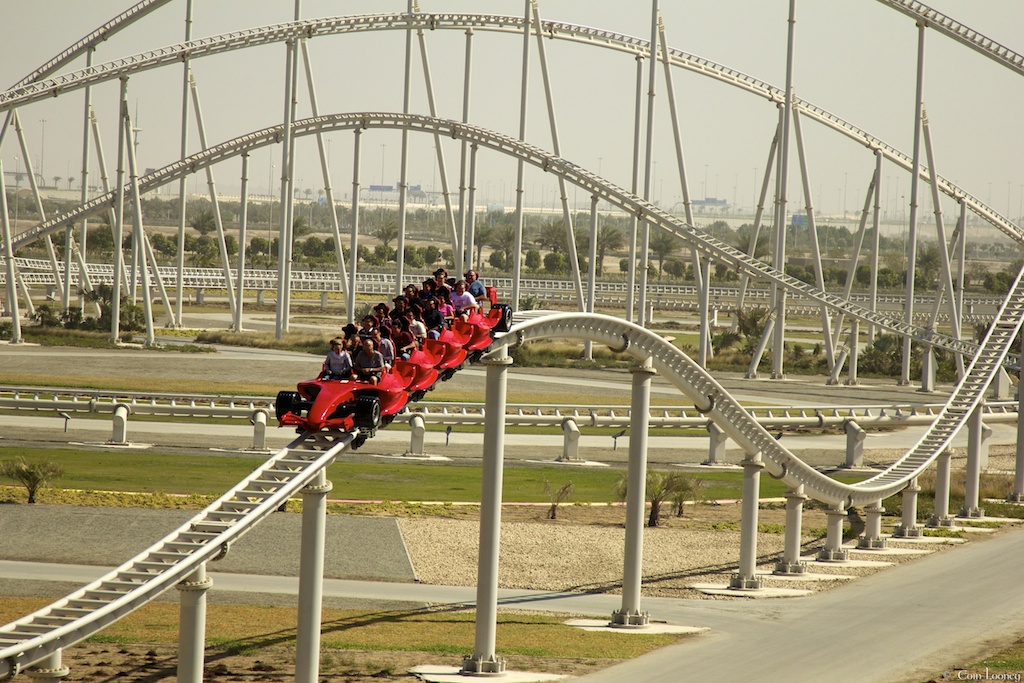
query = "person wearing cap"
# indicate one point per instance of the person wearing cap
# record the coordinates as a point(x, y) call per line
point(474, 286)
point(382, 314)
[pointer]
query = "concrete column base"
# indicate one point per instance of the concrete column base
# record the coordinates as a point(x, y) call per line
point(1015, 498)
point(784, 568)
point(630, 619)
point(745, 583)
point(828, 555)
point(908, 532)
point(49, 669)
point(945, 521)
point(870, 543)
point(483, 667)
point(973, 513)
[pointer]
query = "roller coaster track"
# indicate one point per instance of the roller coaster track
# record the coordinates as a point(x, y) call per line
point(713, 400)
point(695, 238)
point(171, 560)
point(39, 89)
point(208, 535)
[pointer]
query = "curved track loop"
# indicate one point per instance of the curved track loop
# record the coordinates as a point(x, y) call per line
point(39, 88)
point(695, 238)
point(712, 399)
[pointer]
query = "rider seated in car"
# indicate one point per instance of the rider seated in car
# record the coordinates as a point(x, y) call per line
point(368, 365)
point(338, 364)
point(464, 302)
point(475, 286)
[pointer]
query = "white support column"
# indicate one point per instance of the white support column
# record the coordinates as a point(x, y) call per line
point(704, 332)
point(908, 526)
point(259, 429)
point(120, 432)
point(791, 563)
point(915, 174)
point(1018, 474)
point(353, 254)
point(855, 437)
point(746, 578)
point(630, 614)
point(834, 550)
point(588, 346)
point(50, 668)
point(570, 440)
point(12, 292)
point(973, 474)
point(645, 226)
point(243, 222)
point(311, 579)
point(484, 659)
point(192, 625)
point(851, 379)
point(872, 538)
point(940, 516)
point(716, 445)
point(418, 431)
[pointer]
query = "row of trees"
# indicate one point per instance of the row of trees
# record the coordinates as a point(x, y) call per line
point(545, 245)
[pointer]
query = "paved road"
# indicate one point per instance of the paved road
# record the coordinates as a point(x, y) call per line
point(911, 623)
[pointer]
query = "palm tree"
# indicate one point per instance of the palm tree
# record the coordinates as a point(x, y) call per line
point(663, 244)
point(482, 235)
point(661, 487)
point(609, 238)
point(386, 232)
point(33, 476)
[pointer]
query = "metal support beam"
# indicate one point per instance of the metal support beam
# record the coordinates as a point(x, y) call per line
point(192, 625)
point(908, 526)
point(940, 516)
point(791, 563)
point(746, 578)
point(872, 538)
point(484, 659)
point(834, 550)
point(311, 579)
point(972, 482)
point(629, 614)
point(915, 174)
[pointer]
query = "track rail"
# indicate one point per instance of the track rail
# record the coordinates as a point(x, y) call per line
point(311, 28)
point(171, 560)
point(712, 399)
point(694, 237)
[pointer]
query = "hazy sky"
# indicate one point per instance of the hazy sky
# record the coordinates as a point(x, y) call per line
point(855, 58)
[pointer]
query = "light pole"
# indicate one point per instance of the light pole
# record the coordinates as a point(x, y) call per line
point(17, 189)
point(270, 219)
point(42, 151)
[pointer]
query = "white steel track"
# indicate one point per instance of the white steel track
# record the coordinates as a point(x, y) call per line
point(170, 560)
point(695, 238)
point(713, 400)
point(44, 88)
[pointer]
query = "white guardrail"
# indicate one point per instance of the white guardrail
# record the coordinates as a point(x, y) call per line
point(42, 399)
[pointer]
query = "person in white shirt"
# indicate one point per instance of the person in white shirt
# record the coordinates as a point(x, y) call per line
point(464, 302)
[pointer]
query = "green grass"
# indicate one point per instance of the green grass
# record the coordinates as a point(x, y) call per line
point(247, 629)
point(212, 475)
